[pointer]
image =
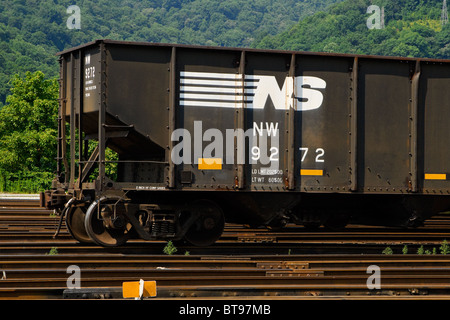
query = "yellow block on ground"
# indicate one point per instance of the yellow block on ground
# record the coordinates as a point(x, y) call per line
point(139, 289)
point(209, 164)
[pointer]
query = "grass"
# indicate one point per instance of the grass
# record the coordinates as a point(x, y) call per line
point(444, 249)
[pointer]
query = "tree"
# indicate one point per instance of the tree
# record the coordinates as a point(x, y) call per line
point(412, 29)
point(28, 131)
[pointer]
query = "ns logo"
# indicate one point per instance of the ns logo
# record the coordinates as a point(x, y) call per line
point(226, 90)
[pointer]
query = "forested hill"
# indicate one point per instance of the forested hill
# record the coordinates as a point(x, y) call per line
point(410, 28)
point(32, 31)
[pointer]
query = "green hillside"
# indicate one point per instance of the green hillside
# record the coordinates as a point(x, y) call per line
point(32, 31)
point(412, 28)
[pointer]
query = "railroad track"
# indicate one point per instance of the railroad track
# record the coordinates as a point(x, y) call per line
point(244, 263)
point(214, 276)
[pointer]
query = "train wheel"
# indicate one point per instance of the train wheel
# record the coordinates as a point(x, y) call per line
point(208, 224)
point(101, 226)
point(75, 218)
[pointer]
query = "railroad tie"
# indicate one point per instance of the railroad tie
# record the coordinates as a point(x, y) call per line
point(289, 269)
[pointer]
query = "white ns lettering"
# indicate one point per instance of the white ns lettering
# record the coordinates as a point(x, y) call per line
point(305, 91)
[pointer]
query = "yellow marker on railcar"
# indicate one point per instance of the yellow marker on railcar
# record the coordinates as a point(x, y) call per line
point(308, 172)
point(209, 163)
point(435, 176)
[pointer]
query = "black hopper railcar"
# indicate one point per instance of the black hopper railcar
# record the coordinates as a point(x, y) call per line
point(160, 141)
